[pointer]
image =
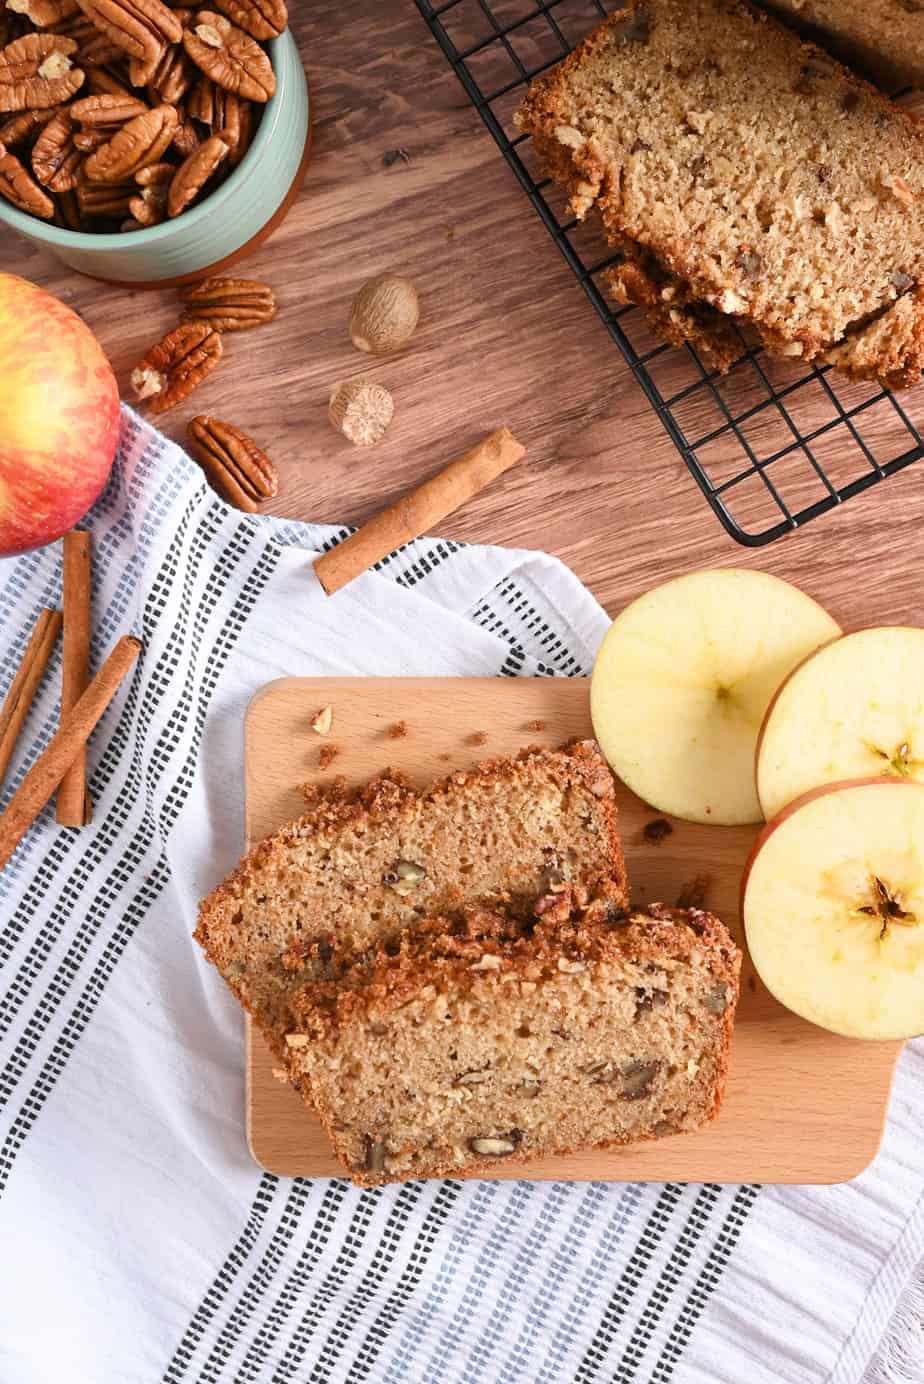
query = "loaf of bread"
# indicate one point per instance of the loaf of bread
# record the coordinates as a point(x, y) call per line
point(885, 38)
point(485, 1038)
point(750, 181)
point(356, 873)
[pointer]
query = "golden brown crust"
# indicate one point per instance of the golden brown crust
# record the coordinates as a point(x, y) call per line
point(449, 956)
point(380, 808)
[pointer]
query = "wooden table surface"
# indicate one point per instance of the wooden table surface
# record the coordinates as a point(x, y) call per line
point(506, 336)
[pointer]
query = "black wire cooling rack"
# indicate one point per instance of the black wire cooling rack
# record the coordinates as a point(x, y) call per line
point(771, 444)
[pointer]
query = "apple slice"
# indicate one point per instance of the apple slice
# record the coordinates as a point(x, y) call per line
point(853, 710)
point(833, 905)
point(682, 682)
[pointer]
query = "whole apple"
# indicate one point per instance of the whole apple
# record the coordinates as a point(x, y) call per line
point(59, 417)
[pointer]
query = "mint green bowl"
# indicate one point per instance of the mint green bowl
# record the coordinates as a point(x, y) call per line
point(238, 215)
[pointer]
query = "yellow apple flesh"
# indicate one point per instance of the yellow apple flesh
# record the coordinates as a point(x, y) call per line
point(59, 417)
point(682, 682)
point(855, 709)
point(833, 907)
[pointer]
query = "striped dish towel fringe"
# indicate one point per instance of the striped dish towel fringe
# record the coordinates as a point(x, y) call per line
point(141, 1241)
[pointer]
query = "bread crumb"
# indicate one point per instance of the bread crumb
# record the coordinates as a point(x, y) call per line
point(398, 730)
point(316, 793)
point(693, 893)
point(479, 737)
point(323, 720)
point(657, 830)
point(445, 756)
point(537, 724)
point(327, 755)
point(752, 983)
point(280, 1074)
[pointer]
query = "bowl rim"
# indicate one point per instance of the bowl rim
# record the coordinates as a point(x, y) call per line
point(282, 48)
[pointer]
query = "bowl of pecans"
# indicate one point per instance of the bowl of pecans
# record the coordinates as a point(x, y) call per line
point(148, 144)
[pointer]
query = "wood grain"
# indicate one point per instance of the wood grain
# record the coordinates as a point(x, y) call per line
point(802, 1105)
point(506, 335)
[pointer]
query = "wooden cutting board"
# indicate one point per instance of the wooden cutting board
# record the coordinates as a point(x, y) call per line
point(802, 1105)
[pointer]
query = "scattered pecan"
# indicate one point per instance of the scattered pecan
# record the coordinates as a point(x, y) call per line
point(18, 186)
point(140, 28)
point(44, 13)
point(236, 467)
point(260, 19)
point(229, 305)
point(24, 125)
point(230, 57)
point(140, 141)
point(106, 110)
point(36, 71)
point(170, 371)
point(55, 158)
point(194, 172)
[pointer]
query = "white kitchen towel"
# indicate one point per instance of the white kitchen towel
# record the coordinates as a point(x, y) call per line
point(139, 1240)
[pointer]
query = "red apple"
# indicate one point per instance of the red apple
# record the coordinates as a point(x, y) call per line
point(59, 417)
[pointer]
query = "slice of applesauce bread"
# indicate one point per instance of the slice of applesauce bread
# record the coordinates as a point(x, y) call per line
point(743, 172)
point(486, 1037)
point(356, 873)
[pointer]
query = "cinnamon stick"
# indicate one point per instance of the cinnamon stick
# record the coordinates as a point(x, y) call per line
point(70, 738)
point(24, 685)
point(417, 512)
point(73, 807)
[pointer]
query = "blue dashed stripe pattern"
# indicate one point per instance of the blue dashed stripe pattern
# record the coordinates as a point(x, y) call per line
point(295, 1280)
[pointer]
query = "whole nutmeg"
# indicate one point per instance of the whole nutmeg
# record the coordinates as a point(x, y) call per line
point(361, 410)
point(384, 314)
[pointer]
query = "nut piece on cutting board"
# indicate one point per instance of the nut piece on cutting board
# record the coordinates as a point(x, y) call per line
point(175, 365)
point(361, 410)
point(384, 314)
point(855, 709)
point(683, 680)
point(833, 905)
point(236, 467)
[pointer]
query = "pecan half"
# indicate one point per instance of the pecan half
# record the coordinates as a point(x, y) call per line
point(185, 136)
point(140, 141)
point(36, 72)
point(103, 82)
point(148, 207)
point(69, 211)
point(171, 369)
point(24, 125)
point(173, 76)
point(104, 199)
point(18, 187)
point(260, 19)
point(194, 172)
point(229, 305)
point(89, 140)
point(44, 13)
point(139, 27)
point(236, 467)
point(230, 57)
point(56, 158)
point(106, 110)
